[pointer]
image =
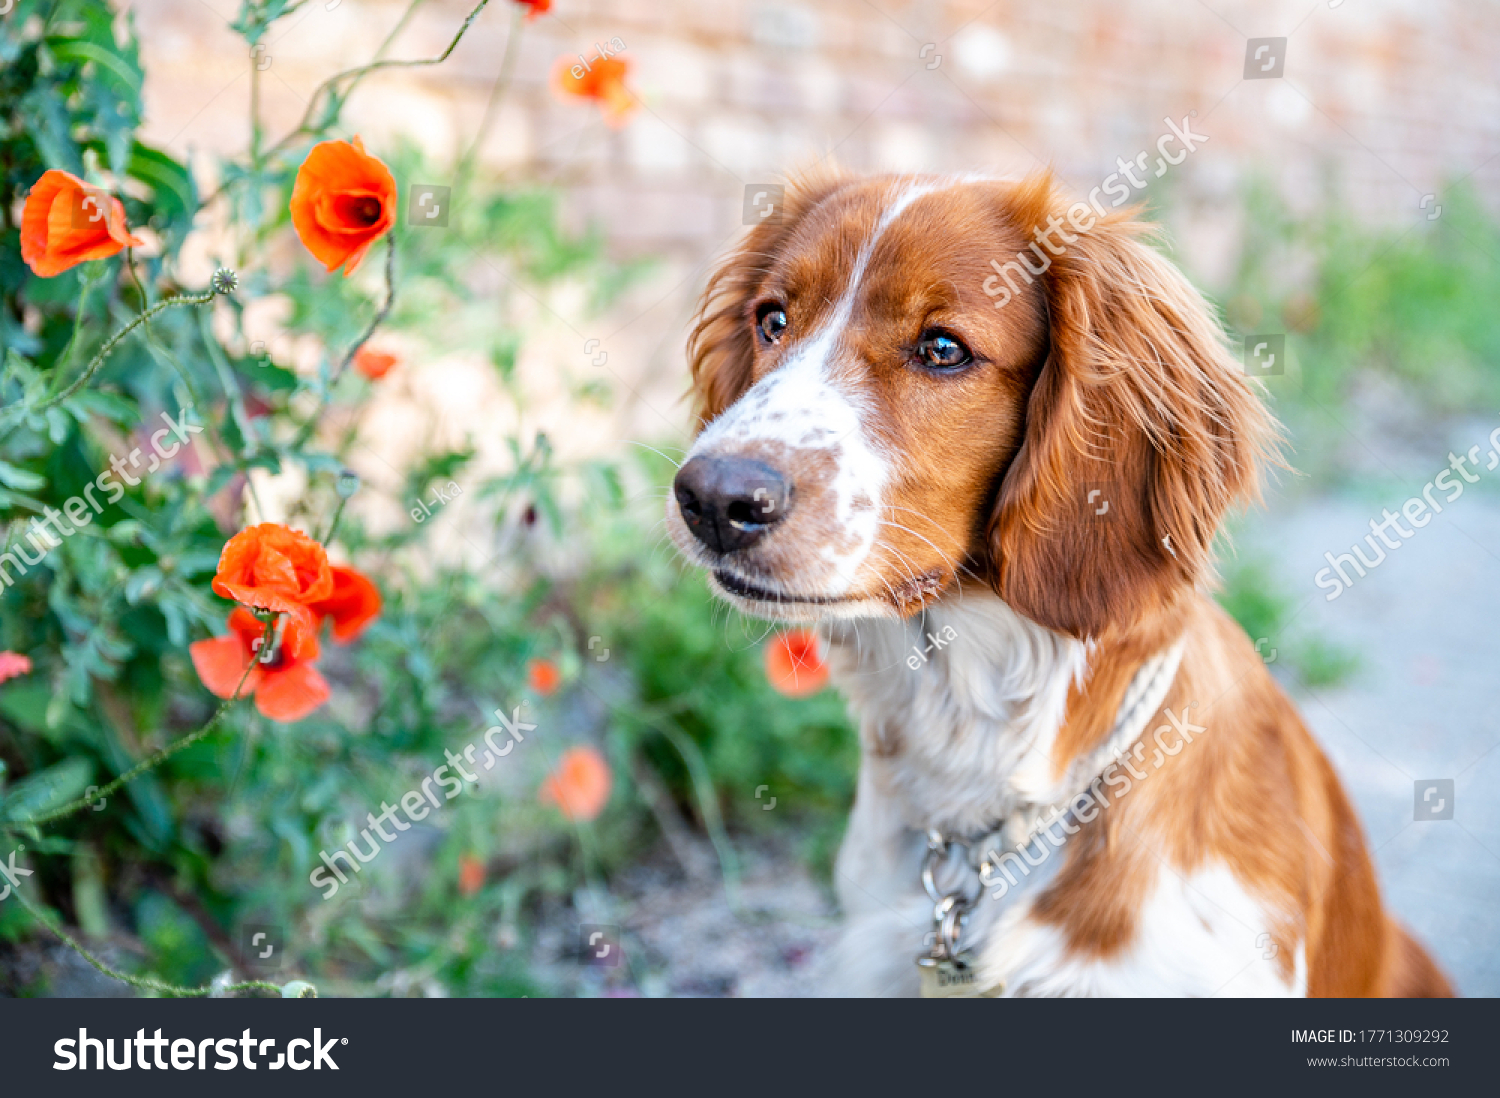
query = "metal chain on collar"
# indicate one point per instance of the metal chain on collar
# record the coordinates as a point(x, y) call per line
point(950, 909)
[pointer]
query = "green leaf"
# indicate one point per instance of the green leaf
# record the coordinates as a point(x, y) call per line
point(125, 532)
point(73, 49)
point(254, 17)
point(111, 406)
point(25, 704)
point(221, 476)
point(51, 128)
point(21, 479)
point(171, 184)
point(46, 789)
point(143, 583)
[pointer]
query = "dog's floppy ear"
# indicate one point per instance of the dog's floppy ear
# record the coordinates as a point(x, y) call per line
point(721, 346)
point(1140, 431)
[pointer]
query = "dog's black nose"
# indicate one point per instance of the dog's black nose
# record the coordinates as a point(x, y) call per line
point(730, 502)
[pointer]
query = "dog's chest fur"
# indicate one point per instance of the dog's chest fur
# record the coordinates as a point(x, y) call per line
point(958, 708)
point(959, 711)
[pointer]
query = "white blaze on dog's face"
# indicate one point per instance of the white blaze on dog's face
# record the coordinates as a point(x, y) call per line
point(881, 397)
point(880, 414)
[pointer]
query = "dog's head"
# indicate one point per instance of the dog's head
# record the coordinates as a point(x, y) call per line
point(905, 379)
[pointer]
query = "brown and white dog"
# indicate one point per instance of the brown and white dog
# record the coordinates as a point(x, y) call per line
point(998, 496)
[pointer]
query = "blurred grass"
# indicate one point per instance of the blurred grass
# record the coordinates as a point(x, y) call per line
point(1380, 321)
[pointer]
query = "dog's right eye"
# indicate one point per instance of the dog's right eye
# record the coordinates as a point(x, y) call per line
point(770, 320)
point(939, 351)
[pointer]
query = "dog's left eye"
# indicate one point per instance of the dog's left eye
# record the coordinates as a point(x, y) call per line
point(771, 320)
point(940, 351)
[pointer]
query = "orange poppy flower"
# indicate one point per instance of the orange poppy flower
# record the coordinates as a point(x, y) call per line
point(543, 676)
point(342, 202)
point(470, 874)
point(538, 8)
point(274, 568)
point(793, 664)
point(374, 364)
point(580, 784)
point(66, 222)
point(601, 79)
point(13, 664)
point(355, 602)
point(287, 689)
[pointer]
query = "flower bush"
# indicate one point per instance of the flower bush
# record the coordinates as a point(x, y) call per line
point(215, 657)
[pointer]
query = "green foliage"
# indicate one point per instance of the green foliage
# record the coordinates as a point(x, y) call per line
point(1266, 614)
point(1412, 307)
point(228, 829)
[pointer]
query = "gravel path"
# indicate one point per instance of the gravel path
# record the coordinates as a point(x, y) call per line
point(1424, 704)
point(681, 938)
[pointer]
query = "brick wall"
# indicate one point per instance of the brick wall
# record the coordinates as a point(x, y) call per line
point(1381, 103)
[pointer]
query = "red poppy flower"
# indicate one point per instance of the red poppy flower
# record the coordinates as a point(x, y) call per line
point(274, 568)
point(543, 676)
point(600, 79)
point(374, 364)
point(793, 664)
point(66, 222)
point(342, 202)
point(470, 874)
point(580, 784)
point(355, 603)
point(13, 664)
point(538, 8)
point(287, 689)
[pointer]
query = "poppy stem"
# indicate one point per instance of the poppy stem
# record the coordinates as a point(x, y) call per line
point(379, 319)
point(154, 761)
point(338, 512)
point(78, 317)
point(144, 983)
point(497, 93)
point(228, 185)
point(358, 73)
point(109, 346)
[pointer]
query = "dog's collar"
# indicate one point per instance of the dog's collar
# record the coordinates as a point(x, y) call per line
point(944, 971)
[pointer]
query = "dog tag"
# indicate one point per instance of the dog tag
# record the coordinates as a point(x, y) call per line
point(948, 980)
